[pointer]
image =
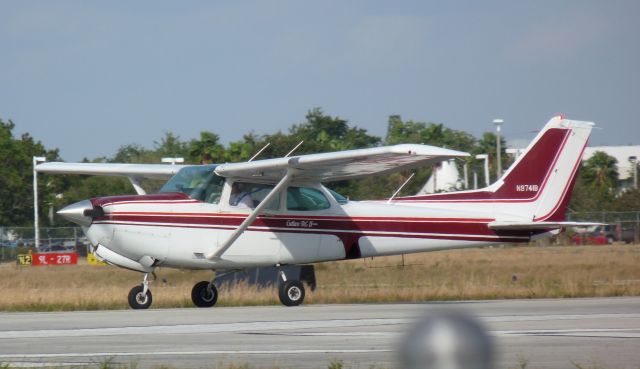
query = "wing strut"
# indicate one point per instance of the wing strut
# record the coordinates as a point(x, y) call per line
point(247, 222)
point(136, 185)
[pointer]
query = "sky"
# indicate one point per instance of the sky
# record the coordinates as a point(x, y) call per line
point(90, 76)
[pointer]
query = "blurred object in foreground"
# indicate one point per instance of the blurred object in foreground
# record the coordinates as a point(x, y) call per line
point(447, 340)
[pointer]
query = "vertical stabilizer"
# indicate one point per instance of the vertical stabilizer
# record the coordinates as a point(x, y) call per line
point(537, 187)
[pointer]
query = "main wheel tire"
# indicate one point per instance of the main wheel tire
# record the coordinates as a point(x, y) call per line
point(202, 296)
point(138, 300)
point(291, 293)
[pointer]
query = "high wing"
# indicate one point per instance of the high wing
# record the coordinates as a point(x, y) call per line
point(134, 172)
point(341, 165)
point(324, 167)
point(159, 171)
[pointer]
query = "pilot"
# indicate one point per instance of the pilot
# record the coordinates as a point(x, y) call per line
point(239, 197)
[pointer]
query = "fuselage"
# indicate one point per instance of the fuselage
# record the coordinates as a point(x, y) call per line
point(178, 231)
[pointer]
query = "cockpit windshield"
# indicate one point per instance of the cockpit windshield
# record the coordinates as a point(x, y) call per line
point(198, 182)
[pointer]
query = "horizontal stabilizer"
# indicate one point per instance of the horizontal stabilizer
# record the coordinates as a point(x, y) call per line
point(538, 225)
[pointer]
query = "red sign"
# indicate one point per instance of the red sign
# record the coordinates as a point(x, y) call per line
point(55, 258)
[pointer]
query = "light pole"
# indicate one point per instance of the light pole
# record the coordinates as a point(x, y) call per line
point(498, 122)
point(486, 167)
point(173, 161)
point(36, 160)
point(634, 161)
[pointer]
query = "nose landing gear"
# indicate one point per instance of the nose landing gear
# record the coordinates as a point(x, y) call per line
point(140, 296)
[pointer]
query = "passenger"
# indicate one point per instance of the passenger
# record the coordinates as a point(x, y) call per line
point(239, 197)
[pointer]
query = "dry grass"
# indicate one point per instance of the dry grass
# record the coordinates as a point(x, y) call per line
point(548, 272)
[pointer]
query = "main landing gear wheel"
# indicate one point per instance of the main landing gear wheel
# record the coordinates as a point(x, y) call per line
point(204, 294)
point(291, 293)
point(138, 299)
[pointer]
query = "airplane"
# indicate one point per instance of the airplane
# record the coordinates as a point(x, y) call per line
point(275, 212)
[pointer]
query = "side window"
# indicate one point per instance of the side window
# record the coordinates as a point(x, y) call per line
point(208, 189)
point(306, 199)
point(249, 195)
point(213, 190)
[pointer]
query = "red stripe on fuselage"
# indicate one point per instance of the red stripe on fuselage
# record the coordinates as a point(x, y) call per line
point(445, 228)
point(314, 217)
point(511, 236)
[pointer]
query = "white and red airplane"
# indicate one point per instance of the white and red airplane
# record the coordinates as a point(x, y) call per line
point(275, 212)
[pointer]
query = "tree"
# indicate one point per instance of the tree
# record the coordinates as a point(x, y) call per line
point(628, 201)
point(596, 185)
point(320, 133)
point(171, 146)
point(243, 150)
point(131, 153)
point(600, 171)
point(16, 176)
point(434, 134)
point(207, 149)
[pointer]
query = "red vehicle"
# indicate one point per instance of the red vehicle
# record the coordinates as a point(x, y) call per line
point(590, 238)
point(604, 235)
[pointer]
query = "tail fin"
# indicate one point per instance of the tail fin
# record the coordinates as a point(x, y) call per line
point(537, 187)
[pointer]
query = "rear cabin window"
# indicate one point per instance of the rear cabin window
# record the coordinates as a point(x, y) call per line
point(306, 199)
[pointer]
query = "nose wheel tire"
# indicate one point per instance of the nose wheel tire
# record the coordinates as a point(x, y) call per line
point(204, 294)
point(139, 300)
point(291, 293)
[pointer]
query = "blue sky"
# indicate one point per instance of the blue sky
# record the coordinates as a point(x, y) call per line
point(89, 76)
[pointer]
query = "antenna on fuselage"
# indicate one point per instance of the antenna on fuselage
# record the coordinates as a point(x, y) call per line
point(259, 152)
point(294, 149)
point(400, 188)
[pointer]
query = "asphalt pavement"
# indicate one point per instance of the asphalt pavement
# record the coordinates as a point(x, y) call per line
point(594, 332)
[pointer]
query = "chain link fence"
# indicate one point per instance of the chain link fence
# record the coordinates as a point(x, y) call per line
point(19, 240)
point(620, 225)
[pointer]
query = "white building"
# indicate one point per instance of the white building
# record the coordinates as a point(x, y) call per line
point(621, 153)
point(446, 178)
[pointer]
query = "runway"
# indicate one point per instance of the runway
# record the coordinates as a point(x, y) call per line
point(540, 333)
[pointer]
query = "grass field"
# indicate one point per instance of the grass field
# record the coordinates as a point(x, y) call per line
point(487, 273)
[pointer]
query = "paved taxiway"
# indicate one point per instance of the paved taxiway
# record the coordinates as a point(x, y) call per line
point(546, 333)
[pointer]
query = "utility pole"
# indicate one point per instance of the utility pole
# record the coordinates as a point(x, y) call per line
point(36, 160)
point(498, 122)
point(634, 161)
